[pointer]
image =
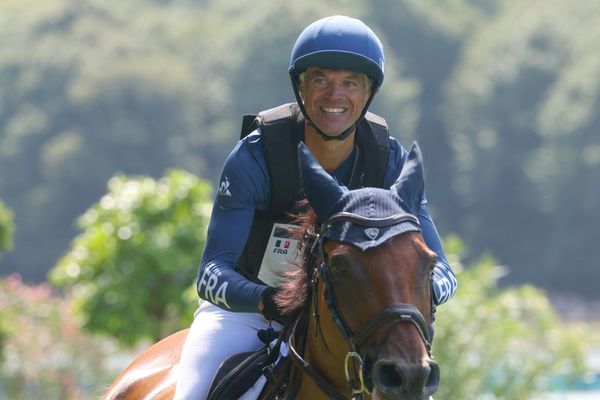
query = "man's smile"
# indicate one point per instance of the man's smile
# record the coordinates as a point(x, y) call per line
point(333, 110)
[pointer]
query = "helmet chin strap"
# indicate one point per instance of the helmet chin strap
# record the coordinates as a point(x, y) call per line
point(327, 137)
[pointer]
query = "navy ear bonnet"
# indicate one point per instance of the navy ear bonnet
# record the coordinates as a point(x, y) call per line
point(364, 217)
point(376, 205)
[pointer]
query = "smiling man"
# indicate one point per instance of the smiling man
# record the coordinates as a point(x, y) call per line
point(336, 68)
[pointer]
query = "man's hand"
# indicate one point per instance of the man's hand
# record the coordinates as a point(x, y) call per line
point(268, 308)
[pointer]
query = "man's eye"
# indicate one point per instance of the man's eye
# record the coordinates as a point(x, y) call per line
point(351, 84)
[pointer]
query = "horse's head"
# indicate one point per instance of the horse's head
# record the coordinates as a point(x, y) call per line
point(375, 278)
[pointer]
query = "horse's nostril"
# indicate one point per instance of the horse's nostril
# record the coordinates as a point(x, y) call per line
point(395, 378)
point(433, 379)
point(388, 375)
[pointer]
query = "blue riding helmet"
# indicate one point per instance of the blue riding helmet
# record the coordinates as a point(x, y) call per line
point(338, 42)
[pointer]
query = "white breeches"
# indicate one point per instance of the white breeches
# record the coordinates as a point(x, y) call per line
point(214, 336)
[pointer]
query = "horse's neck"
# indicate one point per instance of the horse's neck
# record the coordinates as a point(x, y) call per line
point(325, 350)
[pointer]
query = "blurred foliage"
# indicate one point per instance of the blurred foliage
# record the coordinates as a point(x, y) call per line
point(89, 89)
point(138, 252)
point(523, 114)
point(6, 229)
point(45, 354)
point(503, 343)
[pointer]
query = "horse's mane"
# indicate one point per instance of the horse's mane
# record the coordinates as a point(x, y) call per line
point(294, 291)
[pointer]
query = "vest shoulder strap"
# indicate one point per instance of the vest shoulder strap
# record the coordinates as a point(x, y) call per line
point(374, 147)
point(282, 128)
point(288, 113)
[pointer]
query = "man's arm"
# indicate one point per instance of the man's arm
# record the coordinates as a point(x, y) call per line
point(444, 280)
point(244, 186)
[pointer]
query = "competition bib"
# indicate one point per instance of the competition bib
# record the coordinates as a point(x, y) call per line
point(280, 254)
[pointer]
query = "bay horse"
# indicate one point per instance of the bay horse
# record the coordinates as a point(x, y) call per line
point(360, 299)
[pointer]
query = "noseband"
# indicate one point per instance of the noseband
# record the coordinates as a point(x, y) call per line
point(400, 312)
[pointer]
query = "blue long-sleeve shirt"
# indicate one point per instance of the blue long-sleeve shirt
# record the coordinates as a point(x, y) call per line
point(244, 187)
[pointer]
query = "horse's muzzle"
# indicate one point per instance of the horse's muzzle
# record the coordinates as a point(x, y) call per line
point(395, 379)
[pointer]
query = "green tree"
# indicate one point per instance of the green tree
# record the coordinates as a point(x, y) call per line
point(131, 270)
point(505, 343)
point(522, 110)
point(6, 228)
point(427, 38)
point(89, 89)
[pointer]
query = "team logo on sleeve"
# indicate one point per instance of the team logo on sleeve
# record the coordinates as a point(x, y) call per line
point(224, 187)
point(211, 287)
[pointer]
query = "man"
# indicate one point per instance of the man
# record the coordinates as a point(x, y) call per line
point(336, 68)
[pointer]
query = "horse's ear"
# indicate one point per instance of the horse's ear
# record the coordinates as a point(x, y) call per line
point(411, 183)
point(322, 190)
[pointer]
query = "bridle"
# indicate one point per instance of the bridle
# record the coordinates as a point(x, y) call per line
point(400, 312)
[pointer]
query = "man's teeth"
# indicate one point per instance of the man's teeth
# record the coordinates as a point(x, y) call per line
point(334, 110)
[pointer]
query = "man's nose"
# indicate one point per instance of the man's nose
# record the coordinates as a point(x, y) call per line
point(335, 89)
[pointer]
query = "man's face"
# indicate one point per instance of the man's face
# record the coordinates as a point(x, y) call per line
point(334, 99)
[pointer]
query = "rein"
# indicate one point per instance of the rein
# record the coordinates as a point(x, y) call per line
point(400, 312)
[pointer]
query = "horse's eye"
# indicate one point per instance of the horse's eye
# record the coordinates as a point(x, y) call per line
point(339, 265)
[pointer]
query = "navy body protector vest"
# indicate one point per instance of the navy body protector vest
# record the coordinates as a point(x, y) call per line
point(282, 129)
